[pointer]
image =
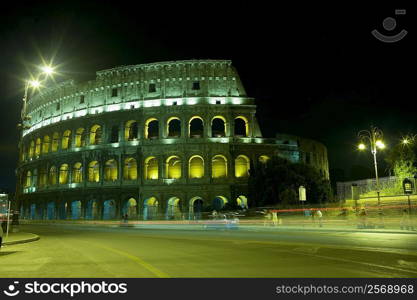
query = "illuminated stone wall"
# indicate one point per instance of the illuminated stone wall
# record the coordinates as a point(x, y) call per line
point(162, 140)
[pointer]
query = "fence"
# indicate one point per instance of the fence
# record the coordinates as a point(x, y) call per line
point(389, 186)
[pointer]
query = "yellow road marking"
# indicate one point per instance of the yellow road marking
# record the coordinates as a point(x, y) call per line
point(136, 259)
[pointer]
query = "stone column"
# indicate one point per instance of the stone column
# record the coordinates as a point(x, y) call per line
point(207, 127)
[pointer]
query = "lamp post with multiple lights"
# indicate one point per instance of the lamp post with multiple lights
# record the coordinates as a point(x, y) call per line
point(374, 138)
point(32, 84)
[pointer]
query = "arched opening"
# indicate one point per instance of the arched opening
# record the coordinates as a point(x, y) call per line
point(130, 170)
point(28, 179)
point(76, 210)
point(55, 142)
point(63, 174)
point(174, 127)
point(151, 168)
point(43, 177)
point(241, 126)
point(38, 147)
point(196, 208)
point(131, 208)
point(150, 208)
point(196, 167)
point(52, 175)
point(242, 165)
point(151, 128)
point(66, 140)
point(92, 211)
point(131, 130)
point(219, 166)
point(110, 170)
point(50, 211)
point(95, 135)
point(109, 210)
point(77, 173)
point(219, 202)
point(218, 126)
point(196, 127)
point(174, 208)
point(242, 202)
point(94, 171)
point(80, 137)
point(31, 149)
point(173, 167)
point(46, 144)
point(263, 159)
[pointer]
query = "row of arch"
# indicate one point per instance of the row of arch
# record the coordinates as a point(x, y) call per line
point(65, 173)
point(94, 135)
point(150, 208)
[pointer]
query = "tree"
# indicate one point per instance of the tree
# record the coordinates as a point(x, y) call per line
point(402, 160)
point(277, 182)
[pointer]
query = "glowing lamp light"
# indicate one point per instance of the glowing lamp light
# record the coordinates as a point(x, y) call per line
point(361, 146)
point(47, 70)
point(34, 83)
point(380, 144)
point(406, 141)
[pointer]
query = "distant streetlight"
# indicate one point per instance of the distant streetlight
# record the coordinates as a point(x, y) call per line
point(374, 138)
point(408, 139)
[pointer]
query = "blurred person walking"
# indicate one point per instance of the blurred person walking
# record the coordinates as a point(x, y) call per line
point(319, 217)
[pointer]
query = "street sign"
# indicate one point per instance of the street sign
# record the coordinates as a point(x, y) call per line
point(302, 193)
point(407, 186)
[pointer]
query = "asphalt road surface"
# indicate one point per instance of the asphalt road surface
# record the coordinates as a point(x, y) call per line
point(76, 251)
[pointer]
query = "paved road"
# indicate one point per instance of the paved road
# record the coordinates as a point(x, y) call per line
point(76, 251)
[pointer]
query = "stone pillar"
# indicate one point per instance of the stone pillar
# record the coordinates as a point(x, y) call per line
point(207, 165)
point(161, 168)
point(161, 128)
point(118, 208)
point(231, 127)
point(72, 139)
point(121, 132)
point(84, 171)
point(207, 127)
point(83, 209)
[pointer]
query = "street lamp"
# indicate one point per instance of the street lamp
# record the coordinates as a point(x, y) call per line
point(34, 84)
point(408, 139)
point(374, 138)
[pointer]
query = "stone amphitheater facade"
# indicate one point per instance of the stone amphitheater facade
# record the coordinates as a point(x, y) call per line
point(161, 140)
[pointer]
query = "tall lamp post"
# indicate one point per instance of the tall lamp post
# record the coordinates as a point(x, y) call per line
point(374, 138)
point(34, 84)
point(30, 85)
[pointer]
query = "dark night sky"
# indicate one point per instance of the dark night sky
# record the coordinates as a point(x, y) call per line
point(314, 71)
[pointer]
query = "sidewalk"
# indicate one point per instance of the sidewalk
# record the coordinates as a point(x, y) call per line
point(19, 238)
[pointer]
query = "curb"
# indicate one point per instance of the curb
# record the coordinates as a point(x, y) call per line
point(35, 238)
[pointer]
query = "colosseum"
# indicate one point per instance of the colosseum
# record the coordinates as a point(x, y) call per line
point(162, 140)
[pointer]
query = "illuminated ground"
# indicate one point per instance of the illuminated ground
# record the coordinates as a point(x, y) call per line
point(69, 251)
